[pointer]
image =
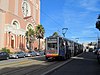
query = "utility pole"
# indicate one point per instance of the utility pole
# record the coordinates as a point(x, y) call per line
point(64, 30)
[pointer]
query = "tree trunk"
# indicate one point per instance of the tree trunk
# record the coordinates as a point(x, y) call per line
point(39, 43)
point(29, 45)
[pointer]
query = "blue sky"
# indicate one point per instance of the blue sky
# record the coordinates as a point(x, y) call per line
point(79, 16)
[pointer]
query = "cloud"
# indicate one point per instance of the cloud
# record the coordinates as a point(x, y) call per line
point(90, 4)
point(90, 27)
point(86, 32)
point(89, 32)
point(79, 17)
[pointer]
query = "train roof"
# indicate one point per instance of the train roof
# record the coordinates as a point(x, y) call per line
point(64, 39)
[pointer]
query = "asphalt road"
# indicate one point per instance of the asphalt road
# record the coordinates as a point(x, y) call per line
point(15, 66)
point(27, 66)
point(85, 64)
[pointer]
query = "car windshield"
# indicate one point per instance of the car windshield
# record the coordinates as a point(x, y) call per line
point(18, 52)
point(30, 51)
point(1, 53)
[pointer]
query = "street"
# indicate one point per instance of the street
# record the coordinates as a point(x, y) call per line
point(27, 66)
point(85, 64)
point(20, 66)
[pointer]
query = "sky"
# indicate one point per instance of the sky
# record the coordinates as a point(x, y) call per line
point(79, 16)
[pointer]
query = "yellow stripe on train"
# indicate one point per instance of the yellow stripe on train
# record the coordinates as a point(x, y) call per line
point(51, 55)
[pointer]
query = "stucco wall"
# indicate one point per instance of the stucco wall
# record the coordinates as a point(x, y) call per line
point(2, 22)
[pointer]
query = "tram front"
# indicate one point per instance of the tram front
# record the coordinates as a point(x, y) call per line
point(52, 48)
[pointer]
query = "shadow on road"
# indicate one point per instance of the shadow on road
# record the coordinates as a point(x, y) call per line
point(88, 55)
point(39, 58)
point(83, 64)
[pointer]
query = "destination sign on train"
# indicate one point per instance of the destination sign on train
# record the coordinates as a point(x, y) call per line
point(52, 40)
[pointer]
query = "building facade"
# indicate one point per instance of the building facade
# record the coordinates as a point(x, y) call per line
point(16, 17)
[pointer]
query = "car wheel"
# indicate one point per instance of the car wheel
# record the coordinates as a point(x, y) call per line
point(16, 57)
point(7, 58)
point(24, 56)
point(32, 55)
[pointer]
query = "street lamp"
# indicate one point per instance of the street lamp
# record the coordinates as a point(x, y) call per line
point(64, 30)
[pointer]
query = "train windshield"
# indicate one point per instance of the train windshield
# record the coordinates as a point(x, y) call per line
point(52, 46)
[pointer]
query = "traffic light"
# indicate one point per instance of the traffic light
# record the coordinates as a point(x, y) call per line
point(98, 25)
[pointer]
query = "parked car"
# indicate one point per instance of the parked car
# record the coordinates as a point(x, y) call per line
point(17, 55)
point(4, 55)
point(90, 50)
point(30, 53)
point(95, 51)
point(41, 52)
point(37, 53)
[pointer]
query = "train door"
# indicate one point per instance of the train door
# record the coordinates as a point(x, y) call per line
point(69, 48)
point(72, 53)
point(62, 47)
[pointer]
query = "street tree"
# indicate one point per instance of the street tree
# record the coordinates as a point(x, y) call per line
point(40, 33)
point(55, 34)
point(29, 38)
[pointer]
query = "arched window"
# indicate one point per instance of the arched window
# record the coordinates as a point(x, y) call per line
point(16, 25)
point(29, 26)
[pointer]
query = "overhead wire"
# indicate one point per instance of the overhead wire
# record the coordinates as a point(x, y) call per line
point(59, 26)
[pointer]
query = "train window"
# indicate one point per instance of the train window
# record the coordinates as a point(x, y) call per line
point(61, 44)
point(52, 46)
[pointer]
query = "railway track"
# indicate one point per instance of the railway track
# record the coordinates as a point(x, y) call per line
point(25, 67)
point(32, 69)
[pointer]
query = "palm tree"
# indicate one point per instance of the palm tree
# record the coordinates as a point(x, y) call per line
point(55, 34)
point(40, 33)
point(30, 37)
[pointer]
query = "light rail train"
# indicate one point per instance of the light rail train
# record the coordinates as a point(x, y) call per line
point(61, 48)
